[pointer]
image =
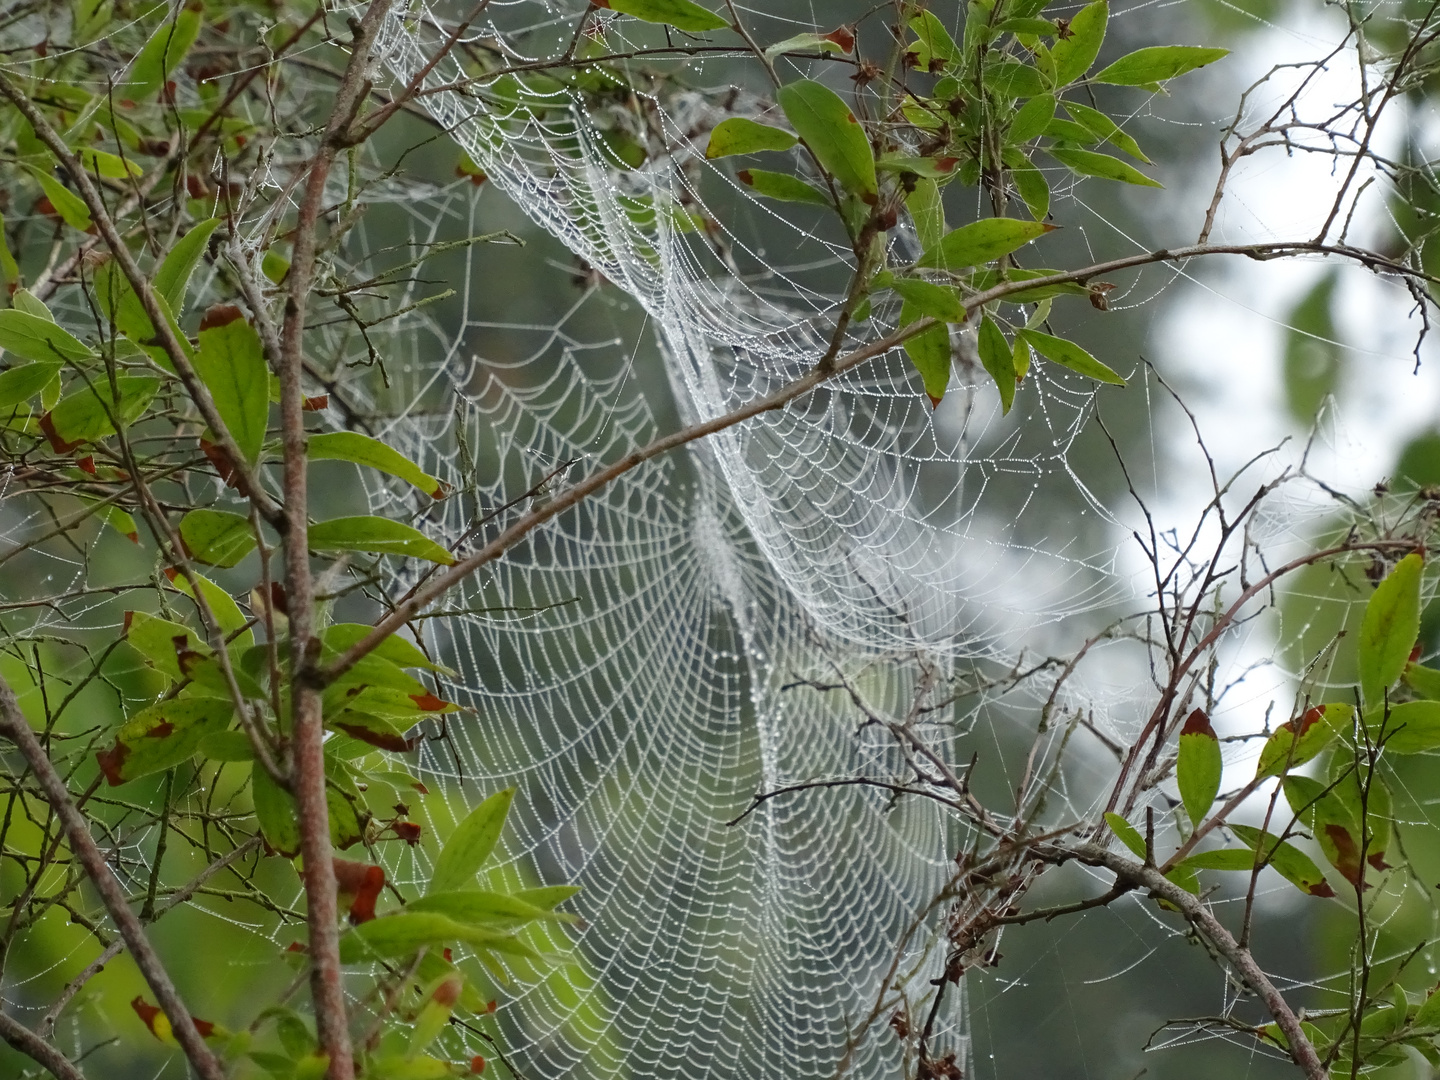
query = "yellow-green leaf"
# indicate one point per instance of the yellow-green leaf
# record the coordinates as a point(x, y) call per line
point(32, 337)
point(1288, 861)
point(161, 56)
point(470, 845)
point(929, 351)
point(1151, 66)
point(1090, 163)
point(216, 537)
point(681, 14)
point(1127, 833)
point(995, 354)
point(378, 536)
point(1390, 627)
point(231, 363)
point(981, 242)
point(832, 133)
point(67, 204)
point(783, 187)
point(1074, 54)
point(1286, 749)
point(161, 737)
point(363, 450)
point(1068, 354)
point(1197, 771)
point(740, 135)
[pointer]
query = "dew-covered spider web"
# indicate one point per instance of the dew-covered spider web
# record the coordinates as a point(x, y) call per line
point(643, 666)
point(741, 615)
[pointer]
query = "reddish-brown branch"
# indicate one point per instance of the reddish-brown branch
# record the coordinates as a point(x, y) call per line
point(308, 733)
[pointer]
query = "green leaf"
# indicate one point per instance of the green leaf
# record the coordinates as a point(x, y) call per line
point(9, 268)
point(1033, 188)
point(932, 168)
point(161, 737)
point(26, 301)
point(162, 55)
point(681, 14)
point(405, 933)
point(929, 351)
point(1028, 25)
point(1288, 861)
point(1390, 627)
point(933, 43)
point(1089, 163)
point(938, 301)
point(228, 616)
point(1222, 859)
point(1012, 79)
point(216, 537)
point(110, 166)
point(276, 813)
point(1074, 54)
point(547, 896)
point(172, 279)
point(161, 641)
point(84, 415)
point(927, 211)
point(67, 204)
point(19, 384)
point(1103, 127)
point(1413, 728)
point(831, 42)
point(470, 845)
point(378, 536)
point(1425, 681)
point(1197, 771)
point(481, 907)
point(1319, 726)
point(31, 337)
point(227, 746)
point(231, 363)
point(1068, 354)
point(394, 648)
point(363, 450)
point(1332, 812)
point(832, 133)
point(1150, 67)
point(783, 187)
point(1127, 834)
point(1032, 117)
point(740, 135)
point(998, 360)
point(981, 242)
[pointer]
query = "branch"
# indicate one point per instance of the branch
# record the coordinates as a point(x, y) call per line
point(1301, 1050)
point(321, 902)
point(14, 725)
point(33, 1046)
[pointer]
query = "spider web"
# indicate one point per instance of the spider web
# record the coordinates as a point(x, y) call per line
point(637, 677)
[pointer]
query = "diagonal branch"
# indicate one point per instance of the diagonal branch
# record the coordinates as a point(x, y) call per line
point(37, 1049)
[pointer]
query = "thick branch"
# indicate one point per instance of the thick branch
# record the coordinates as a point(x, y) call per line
point(1301, 1050)
point(14, 725)
point(36, 1048)
point(321, 903)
